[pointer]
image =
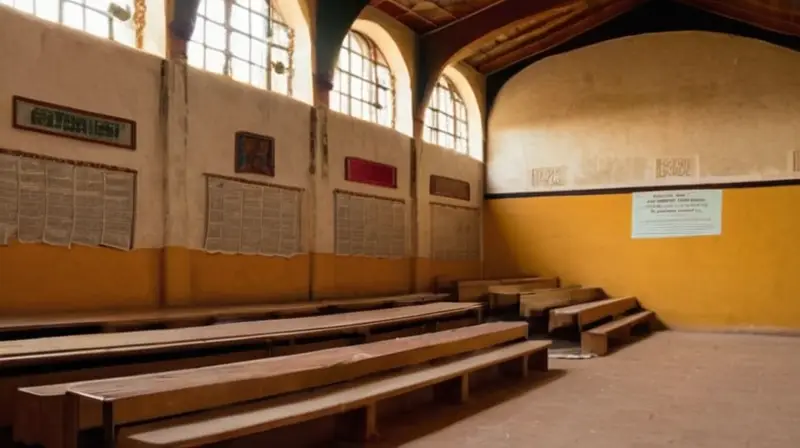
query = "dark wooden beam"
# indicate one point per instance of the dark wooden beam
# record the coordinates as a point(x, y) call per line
point(582, 22)
point(333, 21)
point(783, 22)
point(442, 45)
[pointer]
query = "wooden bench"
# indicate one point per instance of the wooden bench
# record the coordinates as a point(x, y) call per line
point(85, 357)
point(503, 296)
point(536, 303)
point(595, 341)
point(478, 290)
point(354, 403)
point(147, 397)
point(587, 313)
point(20, 327)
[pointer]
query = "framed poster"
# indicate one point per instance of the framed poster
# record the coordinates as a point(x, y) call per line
point(255, 154)
point(62, 121)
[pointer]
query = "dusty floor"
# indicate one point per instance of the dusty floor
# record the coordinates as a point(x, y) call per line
point(670, 390)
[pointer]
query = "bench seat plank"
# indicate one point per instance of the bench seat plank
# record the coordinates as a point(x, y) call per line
point(140, 318)
point(26, 351)
point(226, 424)
point(595, 341)
point(158, 395)
point(535, 303)
point(586, 313)
point(476, 290)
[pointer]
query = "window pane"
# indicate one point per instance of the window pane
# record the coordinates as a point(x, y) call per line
point(240, 70)
point(240, 45)
point(258, 52)
point(215, 9)
point(240, 19)
point(215, 61)
point(258, 26)
point(215, 36)
point(73, 16)
point(46, 9)
point(96, 24)
point(258, 76)
point(195, 53)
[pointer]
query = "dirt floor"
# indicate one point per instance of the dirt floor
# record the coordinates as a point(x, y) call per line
point(687, 390)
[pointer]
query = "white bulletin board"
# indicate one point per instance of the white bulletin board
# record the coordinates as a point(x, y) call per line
point(675, 214)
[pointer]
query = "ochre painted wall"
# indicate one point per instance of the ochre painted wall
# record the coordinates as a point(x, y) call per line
point(600, 117)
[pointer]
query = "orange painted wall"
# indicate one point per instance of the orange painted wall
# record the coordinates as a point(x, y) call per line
point(38, 277)
point(748, 277)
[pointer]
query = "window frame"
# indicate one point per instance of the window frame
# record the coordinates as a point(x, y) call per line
point(372, 55)
point(456, 111)
point(110, 21)
point(273, 18)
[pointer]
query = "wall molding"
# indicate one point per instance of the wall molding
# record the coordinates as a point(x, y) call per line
point(636, 189)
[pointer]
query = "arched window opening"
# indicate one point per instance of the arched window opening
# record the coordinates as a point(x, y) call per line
point(363, 84)
point(446, 117)
point(247, 40)
point(101, 18)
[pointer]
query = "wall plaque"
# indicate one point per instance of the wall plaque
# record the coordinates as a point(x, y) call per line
point(255, 154)
point(47, 118)
point(369, 172)
point(449, 188)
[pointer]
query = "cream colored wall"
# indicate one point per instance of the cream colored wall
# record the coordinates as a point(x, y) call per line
point(351, 137)
point(602, 115)
point(219, 107)
point(448, 163)
point(54, 64)
point(186, 121)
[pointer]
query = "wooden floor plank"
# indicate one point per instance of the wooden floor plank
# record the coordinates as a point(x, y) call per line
point(250, 419)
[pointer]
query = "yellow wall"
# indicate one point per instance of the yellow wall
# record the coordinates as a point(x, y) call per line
point(186, 123)
point(601, 116)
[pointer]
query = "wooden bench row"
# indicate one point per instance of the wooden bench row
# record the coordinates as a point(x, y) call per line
point(31, 326)
point(122, 401)
point(86, 357)
point(356, 403)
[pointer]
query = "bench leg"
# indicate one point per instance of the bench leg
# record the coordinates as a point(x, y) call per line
point(71, 425)
point(359, 425)
point(538, 361)
point(454, 391)
point(594, 344)
point(515, 368)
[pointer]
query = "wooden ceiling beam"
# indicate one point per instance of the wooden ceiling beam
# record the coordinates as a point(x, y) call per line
point(579, 24)
point(780, 22)
point(444, 44)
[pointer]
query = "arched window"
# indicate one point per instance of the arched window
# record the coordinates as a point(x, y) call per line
point(246, 40)
point(109, 20)
point(446, 117)
point(363, 85)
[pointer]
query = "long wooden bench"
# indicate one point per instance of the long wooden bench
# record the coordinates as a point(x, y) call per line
point(596, 340)
point(357, 402)
point(79, 358)
point(147, 397)
point(535, 303)
point(183, 317)
point(478, 290)
point(587, 313)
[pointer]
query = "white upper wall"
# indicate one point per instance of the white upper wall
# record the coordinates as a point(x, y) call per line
point(608, 115)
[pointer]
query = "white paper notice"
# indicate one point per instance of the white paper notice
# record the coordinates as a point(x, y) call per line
point(671, 214)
